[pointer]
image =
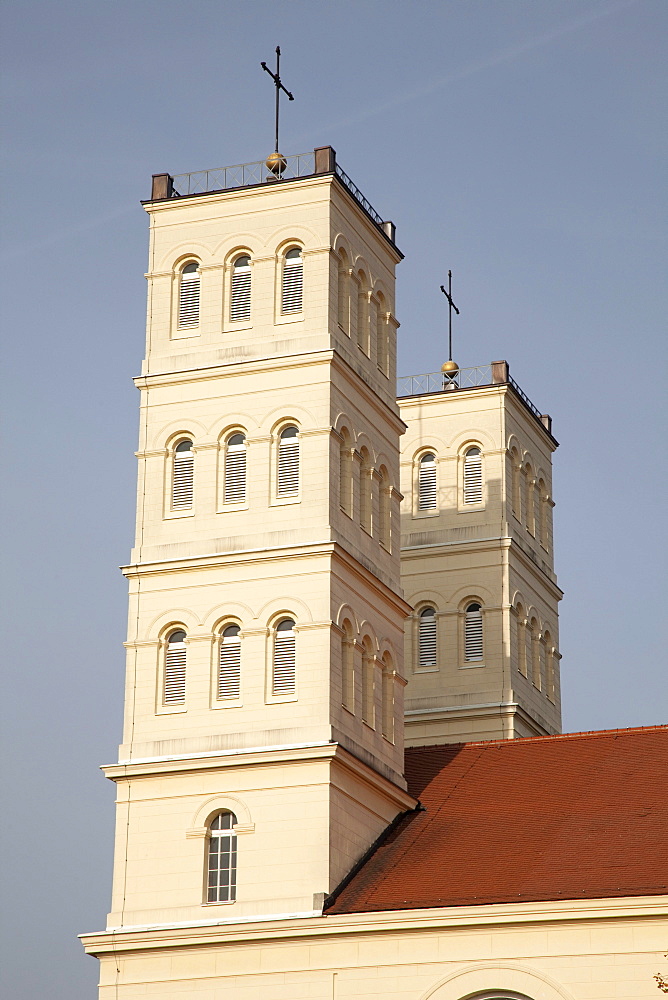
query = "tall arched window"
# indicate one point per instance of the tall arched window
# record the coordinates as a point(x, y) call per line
point(174, 692)
point(384, 508)
point(366, 491)
point(363, 314)
point(515, 483)
point(549, 666)
point(293, 281)
point(543, 507)
point(235, 469)
point(346, 474)
point(189, 296)
point(183, 468)
point(387, 714)
point(240, 299)
point(229, 663)
point(530, 504)
point(427, 499)
point(473, 637)
point(284, 667)
point(348, 666)
point(427, 651)
point(521, 641)
point(343, 300)
point(473, 476)
point(535, 654)
point(382, 336)
point(288, 462)
point(222, 859)
point(368, 686)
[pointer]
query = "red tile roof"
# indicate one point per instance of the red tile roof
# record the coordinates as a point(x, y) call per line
point(555, 817)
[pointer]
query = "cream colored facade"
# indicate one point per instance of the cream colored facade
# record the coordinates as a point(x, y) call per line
point(314, 775)
point(496, 551)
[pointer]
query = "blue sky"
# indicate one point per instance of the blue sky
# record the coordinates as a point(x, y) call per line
point(518, 143)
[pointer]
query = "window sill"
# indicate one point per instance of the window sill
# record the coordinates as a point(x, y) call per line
point(173, 515)
point(228, 508)
point(188, 334)
point(467, 508)
point(171, 710)
point(283, 318)
point(283, 501)
point(428, 512)
point(470, 666)
point(227, 703)
point(232, 327)
point(280, 699)
point(427, 670)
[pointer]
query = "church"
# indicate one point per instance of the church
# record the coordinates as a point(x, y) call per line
point(342, 773)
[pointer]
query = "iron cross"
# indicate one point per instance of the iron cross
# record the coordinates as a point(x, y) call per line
point(276, 77)
point(452, 306)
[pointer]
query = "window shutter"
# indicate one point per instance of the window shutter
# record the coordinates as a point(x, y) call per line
point(284, 662)
point(182, 486)
point(240, 306)
point(473, 476)
point(473, 634)
point(427, 483)
point(175, 673)
point(293, 279)
point(235, 473)
point(427, 639)
point(189, 297)
point(229, 672)
point(288, 466)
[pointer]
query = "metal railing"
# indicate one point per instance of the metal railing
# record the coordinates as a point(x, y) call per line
point(241, 175)
point(467, 378)
point(358, 196)
point(464, 378)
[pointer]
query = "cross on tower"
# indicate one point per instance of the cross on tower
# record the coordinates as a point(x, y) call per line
point(276, 77)
point(452, 306)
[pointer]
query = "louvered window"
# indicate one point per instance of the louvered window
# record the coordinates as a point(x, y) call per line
point(182, 476)
point(473, 634)
point(229, 666)
point(175, 669)
point(427, 483)
point(288, 462)
point(222, 860)
point(368, 690)
point(189, 296)
point(473, 476)
point(427, 638)
point(284, 658)
point(235, 469)
point(293, 280)
point(240, 304)
point(387, 718)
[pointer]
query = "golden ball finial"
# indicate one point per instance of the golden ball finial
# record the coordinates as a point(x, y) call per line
point(277, 163)
point(450, 367)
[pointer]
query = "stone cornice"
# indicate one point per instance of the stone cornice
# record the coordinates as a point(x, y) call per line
point(405, 922)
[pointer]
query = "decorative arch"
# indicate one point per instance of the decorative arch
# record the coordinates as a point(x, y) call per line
point(208, 809)
point(170, 619)
point(519, 982)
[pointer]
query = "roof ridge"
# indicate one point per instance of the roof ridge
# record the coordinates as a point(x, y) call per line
point(585, 733)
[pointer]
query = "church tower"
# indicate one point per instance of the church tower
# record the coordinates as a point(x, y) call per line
point(481, 654)
point(263, 743)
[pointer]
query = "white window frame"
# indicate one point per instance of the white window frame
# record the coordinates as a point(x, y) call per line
point(473, 635)
point(188, 272)
point(185, 509)
point(283, 645)
point(426, 485)
point(285, 497)
point(427, 634)
point(290, 271)
point(221, 837)
point(228, 659)
point(174, 659)
point(241, 292)
point(239, 451)
point(473, 484)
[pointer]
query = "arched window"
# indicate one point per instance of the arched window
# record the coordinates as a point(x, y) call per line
point(283, 680)
point(530, 500)
point(363, 314)
point(473, 637)
point(229, 663)
point(384, 508)
point(183, 475)
point(348, 666)
point(222, 859)
point(535, 654)
point(235, 469)
point(293, 282)
point(427, 652)
point(366, 491)
point(543, 503)
point(427, 499)
point(240, 299)
point(368, 686)
point(473, 476)
point(515, 483)
point(387, 694)
point(189, 296)
point(521, 641)
point(175, 669)
point(346, 474)
point(288, 462)
point(549, 666)
point(343, 299)
point(382, 336)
